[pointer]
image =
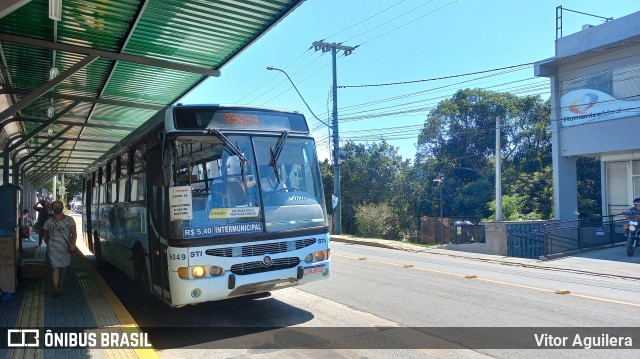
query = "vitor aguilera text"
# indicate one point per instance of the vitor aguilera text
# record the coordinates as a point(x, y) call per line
point(583, 341)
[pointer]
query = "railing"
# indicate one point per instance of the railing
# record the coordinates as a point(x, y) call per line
point(562, 236)
point(525, 239)
point(559, 10)
point(532, 240)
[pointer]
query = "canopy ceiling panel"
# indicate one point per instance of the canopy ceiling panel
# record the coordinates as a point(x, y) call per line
point(107, 66)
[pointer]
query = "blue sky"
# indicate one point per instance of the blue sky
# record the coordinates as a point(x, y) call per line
point(398, 41)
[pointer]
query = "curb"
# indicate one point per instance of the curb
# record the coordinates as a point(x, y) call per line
point(501, 260)
point(366, 243)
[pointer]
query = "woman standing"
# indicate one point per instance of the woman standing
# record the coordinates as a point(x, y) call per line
point(59, 233)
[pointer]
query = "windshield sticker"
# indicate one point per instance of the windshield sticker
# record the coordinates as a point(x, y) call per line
point(238, 212)
point(196, 232)
point(238, 228)
point(180, 203)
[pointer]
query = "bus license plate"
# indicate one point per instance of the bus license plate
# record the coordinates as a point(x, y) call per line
point(319, 269)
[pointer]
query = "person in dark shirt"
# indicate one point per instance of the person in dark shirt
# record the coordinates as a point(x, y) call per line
point(633, 211)
point(43, 215)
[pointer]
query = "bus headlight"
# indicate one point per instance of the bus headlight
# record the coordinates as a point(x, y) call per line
point(319, 255)
point(308, 258)
point(215, 271)
point(198, 272)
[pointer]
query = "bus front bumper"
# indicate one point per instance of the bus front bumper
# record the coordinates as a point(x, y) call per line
point(191, 291)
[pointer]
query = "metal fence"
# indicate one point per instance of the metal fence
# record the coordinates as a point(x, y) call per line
point(466, 230)
point(532, 240)
point(525, 239)
point(582, 234)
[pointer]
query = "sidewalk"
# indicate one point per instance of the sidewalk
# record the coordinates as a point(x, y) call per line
point(607, 262)
point(87, 302)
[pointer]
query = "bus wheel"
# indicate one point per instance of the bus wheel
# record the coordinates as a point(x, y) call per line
point(97, 251)
point(140, 268)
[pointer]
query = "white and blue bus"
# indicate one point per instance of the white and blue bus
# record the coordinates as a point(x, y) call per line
point(207, 202)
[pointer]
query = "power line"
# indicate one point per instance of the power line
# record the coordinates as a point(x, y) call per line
point(362, 21)
point(414, 20)
point(437, 78)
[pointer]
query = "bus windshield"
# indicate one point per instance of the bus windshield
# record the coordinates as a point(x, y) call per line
point(213, 193)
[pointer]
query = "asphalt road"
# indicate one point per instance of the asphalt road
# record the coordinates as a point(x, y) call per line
point(383, 288)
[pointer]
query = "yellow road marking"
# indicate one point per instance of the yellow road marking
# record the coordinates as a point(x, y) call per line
point(560, 291)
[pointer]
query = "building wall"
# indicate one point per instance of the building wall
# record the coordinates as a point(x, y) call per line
point(595, 82)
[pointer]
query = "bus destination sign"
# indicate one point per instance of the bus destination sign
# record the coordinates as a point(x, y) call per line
point(187, 118)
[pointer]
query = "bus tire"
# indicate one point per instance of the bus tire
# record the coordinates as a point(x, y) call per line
point(140, 268)
point(97, 251)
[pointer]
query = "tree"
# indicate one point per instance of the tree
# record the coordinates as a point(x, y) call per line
point(458, 140)
point(73, 186)
point(326, 171)
point(367, 177)
point(589, 190)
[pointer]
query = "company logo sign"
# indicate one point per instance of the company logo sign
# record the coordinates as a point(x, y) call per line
point(588, 106)
point(581, 105)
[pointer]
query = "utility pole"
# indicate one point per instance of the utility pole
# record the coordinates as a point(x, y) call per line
point(333, 47)
point(55, 183)
point(440, 178)
point(498, 173)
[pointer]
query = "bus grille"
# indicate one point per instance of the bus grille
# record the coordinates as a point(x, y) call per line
point(261, 249)
point(259, 267)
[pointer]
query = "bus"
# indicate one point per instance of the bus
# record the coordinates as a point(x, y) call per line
point(207, 202)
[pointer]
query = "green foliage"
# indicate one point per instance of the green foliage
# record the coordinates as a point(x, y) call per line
point(589, 188)
point(367, 176)
point(375, 221)
point(326, 171)
point(512, 210)
point(73, 185)
point(458, 141)
point(473, 197)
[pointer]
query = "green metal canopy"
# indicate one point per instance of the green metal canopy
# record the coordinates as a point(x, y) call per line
point(72, 88)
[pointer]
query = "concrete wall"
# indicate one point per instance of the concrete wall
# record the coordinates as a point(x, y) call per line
point(496, 237)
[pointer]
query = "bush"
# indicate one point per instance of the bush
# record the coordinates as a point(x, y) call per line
point(375, 221)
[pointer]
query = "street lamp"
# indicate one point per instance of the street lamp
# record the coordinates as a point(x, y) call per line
point(336, 149)
point(271, 68)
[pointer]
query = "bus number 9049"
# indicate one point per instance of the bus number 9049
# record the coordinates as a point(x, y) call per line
point(177, 257)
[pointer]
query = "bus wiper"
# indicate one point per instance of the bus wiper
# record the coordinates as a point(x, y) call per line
point(241, 164)
point(235, 150)
point(275, 154)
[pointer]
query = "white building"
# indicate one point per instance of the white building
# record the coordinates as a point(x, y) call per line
point(595, 102)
